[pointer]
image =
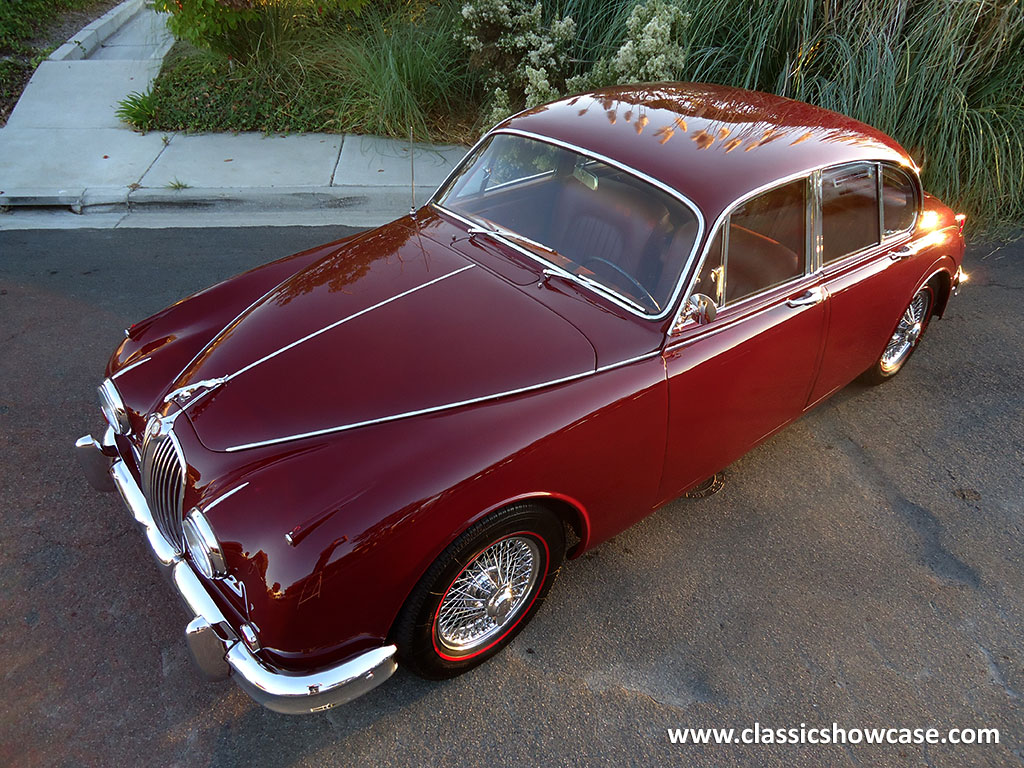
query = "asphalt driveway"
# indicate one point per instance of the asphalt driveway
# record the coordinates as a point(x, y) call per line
point(863, 567)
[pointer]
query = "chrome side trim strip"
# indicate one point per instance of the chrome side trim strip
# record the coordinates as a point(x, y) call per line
point(227, 495)
point(336, 323)
point(445, 407)
point(220, 333)
point(212, 384)
point(130, 366)
point(698, 214)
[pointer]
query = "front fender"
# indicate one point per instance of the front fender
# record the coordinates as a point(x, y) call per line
point(331, 535)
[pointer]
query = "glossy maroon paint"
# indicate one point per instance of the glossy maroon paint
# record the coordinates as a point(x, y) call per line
point(368, 509)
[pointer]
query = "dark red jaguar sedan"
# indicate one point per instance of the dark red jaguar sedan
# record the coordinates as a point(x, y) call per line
point(380, 451)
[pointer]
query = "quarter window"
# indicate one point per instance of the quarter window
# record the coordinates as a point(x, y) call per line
point(899, 203)
point(711, 282)
point(849, 210)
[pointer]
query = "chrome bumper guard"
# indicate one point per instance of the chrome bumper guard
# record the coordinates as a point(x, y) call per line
point(214, 644)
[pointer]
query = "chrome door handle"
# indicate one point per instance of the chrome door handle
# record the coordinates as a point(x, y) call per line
point(902, 252)
point(810, 298)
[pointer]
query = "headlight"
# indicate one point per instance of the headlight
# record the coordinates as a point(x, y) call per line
point(113, 408)
point(203, 546)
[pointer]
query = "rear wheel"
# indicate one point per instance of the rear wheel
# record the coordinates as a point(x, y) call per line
point(480, 592)
point(905, 337)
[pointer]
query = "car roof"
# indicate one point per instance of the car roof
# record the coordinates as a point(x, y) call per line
point(712, 143)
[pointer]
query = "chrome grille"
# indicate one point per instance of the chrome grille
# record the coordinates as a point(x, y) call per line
point(163, 481)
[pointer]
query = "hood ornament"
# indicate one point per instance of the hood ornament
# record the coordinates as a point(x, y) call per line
point(185, 393)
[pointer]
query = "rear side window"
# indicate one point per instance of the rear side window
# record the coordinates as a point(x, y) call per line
point(767, 241)
point(899, 202)
point(849, 210)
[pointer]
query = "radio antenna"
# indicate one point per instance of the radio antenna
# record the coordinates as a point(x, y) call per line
point(412, 175)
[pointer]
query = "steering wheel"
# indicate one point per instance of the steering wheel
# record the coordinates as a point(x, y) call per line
point(644, 293)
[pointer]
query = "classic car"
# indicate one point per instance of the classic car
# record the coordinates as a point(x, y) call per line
point(380, 450)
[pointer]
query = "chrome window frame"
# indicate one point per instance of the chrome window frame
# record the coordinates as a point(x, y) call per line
point(814, 202)
point(810, 238)
point(915, 182)
point(694, 208)
point(821, 213)
point(886, 241)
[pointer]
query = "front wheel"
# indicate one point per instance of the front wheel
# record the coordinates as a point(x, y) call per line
point(480, 592)
point(904, 339)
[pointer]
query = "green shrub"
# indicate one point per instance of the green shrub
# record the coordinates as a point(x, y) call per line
point(239, 29)
point(206, 23)
point(20, 20)
point(380, 73)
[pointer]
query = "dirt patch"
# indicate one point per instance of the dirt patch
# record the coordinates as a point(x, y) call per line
point(17, 69)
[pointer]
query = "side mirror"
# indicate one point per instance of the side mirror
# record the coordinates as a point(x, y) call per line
point(700, 308)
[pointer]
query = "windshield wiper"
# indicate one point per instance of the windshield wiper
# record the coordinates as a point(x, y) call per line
point(515, 236)
point(586, 282)
point(595, 286)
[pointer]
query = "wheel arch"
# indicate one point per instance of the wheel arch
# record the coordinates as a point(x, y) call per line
point(568, 510)
point(941, 280)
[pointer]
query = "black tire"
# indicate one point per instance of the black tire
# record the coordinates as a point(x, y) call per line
point(531, 541)
point(900, 346)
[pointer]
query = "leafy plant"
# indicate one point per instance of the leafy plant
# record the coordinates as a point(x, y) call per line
point(138, 110)
point(523, 55)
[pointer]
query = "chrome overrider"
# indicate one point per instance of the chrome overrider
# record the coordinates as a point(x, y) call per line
point(215, 645)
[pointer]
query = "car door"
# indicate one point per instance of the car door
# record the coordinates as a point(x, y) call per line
point(742, 376)
point(863, 269)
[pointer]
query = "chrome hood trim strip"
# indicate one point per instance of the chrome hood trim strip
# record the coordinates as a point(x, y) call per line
point(130, 366)
point(444, 407)
point(211, 384)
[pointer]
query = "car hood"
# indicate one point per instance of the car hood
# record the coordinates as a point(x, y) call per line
point(388, 326)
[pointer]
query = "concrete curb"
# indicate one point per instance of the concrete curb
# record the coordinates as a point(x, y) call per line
point(391, 201)
point(91, 36)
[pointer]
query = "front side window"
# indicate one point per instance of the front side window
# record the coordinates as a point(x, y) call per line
point(899, 201)
point(608, 229)
point(849, 210)
point(767, 241)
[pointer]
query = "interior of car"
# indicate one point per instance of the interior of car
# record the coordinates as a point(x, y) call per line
point(603, 223)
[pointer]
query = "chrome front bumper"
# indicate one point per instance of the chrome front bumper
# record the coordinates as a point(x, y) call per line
point(214, 644)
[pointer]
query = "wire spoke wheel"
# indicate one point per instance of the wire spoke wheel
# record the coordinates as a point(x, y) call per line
point(907, 332)
point(480, 591)
point(488, 595)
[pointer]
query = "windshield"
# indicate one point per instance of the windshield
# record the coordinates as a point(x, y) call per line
point(594, 222)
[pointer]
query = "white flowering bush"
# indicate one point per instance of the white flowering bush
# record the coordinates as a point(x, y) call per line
point(526, 60)
point(654, 48)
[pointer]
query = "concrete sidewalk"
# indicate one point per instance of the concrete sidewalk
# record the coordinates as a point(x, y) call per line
point(67, 161)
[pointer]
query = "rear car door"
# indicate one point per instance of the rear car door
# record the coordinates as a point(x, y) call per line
point(868, 213)
point(736, 380)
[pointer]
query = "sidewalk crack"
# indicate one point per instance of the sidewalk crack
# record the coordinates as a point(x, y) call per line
point(137, 184)
point(337, 160)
